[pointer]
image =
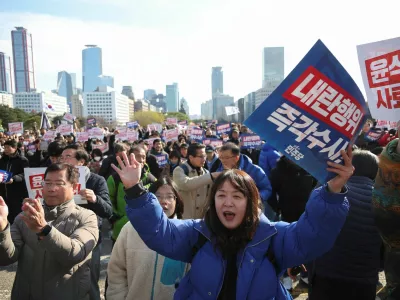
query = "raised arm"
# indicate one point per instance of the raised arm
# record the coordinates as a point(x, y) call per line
point(169, 237)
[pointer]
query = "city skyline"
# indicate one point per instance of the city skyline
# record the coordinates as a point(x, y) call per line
point(194, 37)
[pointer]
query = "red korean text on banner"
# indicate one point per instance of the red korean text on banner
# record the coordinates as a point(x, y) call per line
point(324, 99)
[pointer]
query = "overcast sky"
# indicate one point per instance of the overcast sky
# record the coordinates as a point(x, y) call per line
point(151, 43)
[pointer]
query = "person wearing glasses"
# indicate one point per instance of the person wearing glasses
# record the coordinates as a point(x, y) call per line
point(137, 272)
point(52, 243)
point(194, 181)
point(231, 158)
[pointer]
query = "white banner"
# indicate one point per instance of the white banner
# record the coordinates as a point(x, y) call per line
point(103, 147)
point(35, 176)
point(231, 110)
point(65, 129)
point(82, 136)
point(69, 117)
point(380, 70)
point(15, 128)
point(96, 133)
point(171, 135)
point(49, 135)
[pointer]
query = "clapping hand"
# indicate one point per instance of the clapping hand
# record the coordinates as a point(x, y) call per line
point(344, 172)
point(33, 215)
point(3, 214)
point(130, 171)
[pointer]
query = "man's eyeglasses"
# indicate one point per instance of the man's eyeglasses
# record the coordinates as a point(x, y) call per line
point(227, 157)
point(201, 156)
point(51, 184)
point(168, 198)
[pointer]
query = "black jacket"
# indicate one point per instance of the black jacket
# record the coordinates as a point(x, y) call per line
point(293, 185)
point(14, 193)
point(102, 207)
point(106, 170)
point(355, 255)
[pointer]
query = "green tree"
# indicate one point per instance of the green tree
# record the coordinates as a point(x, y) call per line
point(10, 115)
point(180, 116)
point(182, 109)
point(57, 119)
point(30, 122)
point(145, 118)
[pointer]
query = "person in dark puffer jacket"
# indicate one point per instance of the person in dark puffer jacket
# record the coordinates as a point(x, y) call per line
point(350, 269)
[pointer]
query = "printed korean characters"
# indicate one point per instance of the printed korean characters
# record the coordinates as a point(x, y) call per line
point(380, 69)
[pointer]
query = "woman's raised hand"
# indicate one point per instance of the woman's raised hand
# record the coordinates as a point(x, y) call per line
point(130, 170)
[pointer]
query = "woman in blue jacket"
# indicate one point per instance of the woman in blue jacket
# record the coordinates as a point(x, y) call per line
point(235, 262)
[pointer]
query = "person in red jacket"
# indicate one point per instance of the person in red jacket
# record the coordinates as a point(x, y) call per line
point(388, 137)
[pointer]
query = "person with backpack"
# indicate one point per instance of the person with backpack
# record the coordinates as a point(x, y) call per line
point(194, 181)
point(117, 193)
point(129, 273)
point(244, 254)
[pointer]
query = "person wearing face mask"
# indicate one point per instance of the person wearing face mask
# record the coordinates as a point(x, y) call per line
point(243, 253)
point(96, 161)
point(137, 272)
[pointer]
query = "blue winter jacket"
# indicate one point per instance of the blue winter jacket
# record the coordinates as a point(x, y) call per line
point(255, 172)
point(268, 158)
point(292, 244)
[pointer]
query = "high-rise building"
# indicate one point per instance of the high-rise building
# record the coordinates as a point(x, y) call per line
point(92, 67)
point(240, 116)
point(249, 104)
point(104, 80)
point(73, 81)
point(172, 95)
point(265, 91)
point(159, 102)
point(220, 101)
point(131, 108)
point(273, 65)
point(65, 87)
point(108, 104)
point(207, 110)
point(217, 81)
point(149, 94)
point(77, 105)
point(5, 74)
point(37, 101)
point(23, 60)
point(6, 99)
point(185, 105)
point(127, 90)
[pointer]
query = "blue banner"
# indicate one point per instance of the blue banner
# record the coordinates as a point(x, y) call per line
point(5, 176)
point(250, 141)
point(313, 114)
point(162, 160)
point(197, 134)
point(223, 128)
point(132, 125)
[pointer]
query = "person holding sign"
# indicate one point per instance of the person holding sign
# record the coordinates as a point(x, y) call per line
point(242, 253)
point(13, 190)
point(52, 243)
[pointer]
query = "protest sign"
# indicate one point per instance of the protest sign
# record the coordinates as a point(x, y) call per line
point(69, 117)
point(183, 123)
point(65, 129)
point(103, 147)
point(35, 176)
point(31, 147)
point(16, 127)
point(373, 135)
point(123, 136)
point(132, 125)
point(162, 160)
point(91, 121)
point(213, 142)
point(171, 121)
point(197, 134)
point(171, 135)
point(250, 141)
point(96, 133)
point(386, 124)
point(82, 136)
point(313, 114)
point(121, 129)
point(157, 127)
point(5, 176)
point(380, 70)
point(231, 110)
point(49, 135)
point(223, 128)
point(132, 136)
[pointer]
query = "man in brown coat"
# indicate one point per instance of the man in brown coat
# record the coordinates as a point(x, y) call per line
point(52, 243)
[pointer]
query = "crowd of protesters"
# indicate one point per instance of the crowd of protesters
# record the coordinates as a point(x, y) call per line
point(211, 223)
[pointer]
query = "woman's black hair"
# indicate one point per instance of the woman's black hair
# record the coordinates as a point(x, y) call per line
point(97, 152)
point(365, 164)
point(229, 241)
point(166, 180)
